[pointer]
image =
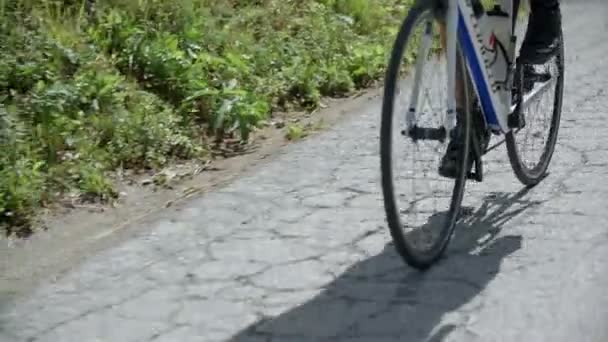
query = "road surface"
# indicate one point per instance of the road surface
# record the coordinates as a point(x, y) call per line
point(298, 250)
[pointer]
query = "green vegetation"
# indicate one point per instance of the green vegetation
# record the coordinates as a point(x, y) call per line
point(295, 132)
point(139, 84)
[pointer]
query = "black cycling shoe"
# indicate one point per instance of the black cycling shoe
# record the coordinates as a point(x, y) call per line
point(450, 162)
point(542, 37)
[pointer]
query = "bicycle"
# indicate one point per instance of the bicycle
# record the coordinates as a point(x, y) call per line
point(488, 90)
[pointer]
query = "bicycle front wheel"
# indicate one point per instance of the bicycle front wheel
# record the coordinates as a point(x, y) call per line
point(422, 216)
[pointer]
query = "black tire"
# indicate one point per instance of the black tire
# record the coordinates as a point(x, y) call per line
point(420, 259)
point(531, 176)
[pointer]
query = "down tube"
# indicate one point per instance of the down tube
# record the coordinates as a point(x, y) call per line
point(479, 74)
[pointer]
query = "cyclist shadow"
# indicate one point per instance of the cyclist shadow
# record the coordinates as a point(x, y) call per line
point(487, 221)
point(379, 299)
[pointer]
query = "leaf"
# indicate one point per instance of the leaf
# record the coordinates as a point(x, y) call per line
point(201, 93)
point(225, 109)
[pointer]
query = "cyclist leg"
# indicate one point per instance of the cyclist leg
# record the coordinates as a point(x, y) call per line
point(542, 37)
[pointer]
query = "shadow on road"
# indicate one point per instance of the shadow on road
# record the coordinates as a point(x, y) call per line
point(379, 299)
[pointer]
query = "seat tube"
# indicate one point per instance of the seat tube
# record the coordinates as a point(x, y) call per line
point(512, 8)
point(451, 37)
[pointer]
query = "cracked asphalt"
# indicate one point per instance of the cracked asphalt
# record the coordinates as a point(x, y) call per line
point(298, 249)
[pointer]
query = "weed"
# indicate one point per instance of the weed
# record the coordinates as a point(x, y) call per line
point(139, 84)
point(295, 132)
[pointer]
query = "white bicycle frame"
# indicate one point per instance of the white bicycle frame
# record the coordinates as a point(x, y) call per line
point(464, 28)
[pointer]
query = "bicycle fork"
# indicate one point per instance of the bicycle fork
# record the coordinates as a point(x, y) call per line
point(448, 38)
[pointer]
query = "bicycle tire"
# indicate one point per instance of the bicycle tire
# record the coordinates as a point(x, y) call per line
point(418, 259)
point(531, 176)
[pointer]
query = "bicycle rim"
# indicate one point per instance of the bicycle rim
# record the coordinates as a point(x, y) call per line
point(414, 256)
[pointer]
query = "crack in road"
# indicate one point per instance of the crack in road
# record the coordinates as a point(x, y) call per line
point(299, 250)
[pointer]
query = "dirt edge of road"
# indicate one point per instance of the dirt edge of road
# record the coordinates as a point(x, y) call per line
point(72, 234)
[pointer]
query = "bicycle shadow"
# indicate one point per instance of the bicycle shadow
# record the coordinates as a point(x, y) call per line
point(379, 299)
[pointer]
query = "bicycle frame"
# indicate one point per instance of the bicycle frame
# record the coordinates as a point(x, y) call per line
point(492, 82)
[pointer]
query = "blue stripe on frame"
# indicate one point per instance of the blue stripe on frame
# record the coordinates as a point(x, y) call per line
point(480, 81)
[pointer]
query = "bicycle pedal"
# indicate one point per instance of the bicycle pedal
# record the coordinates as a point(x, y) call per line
point(425, 133)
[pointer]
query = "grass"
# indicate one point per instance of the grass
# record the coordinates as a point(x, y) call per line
point(140, 84)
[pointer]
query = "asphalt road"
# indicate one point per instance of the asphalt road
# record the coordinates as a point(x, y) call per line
point(298, 249)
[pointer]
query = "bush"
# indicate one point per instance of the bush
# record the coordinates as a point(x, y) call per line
point(141, 84)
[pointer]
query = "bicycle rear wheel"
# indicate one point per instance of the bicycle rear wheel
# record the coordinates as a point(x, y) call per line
point(418, 206)
point(539, 93)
